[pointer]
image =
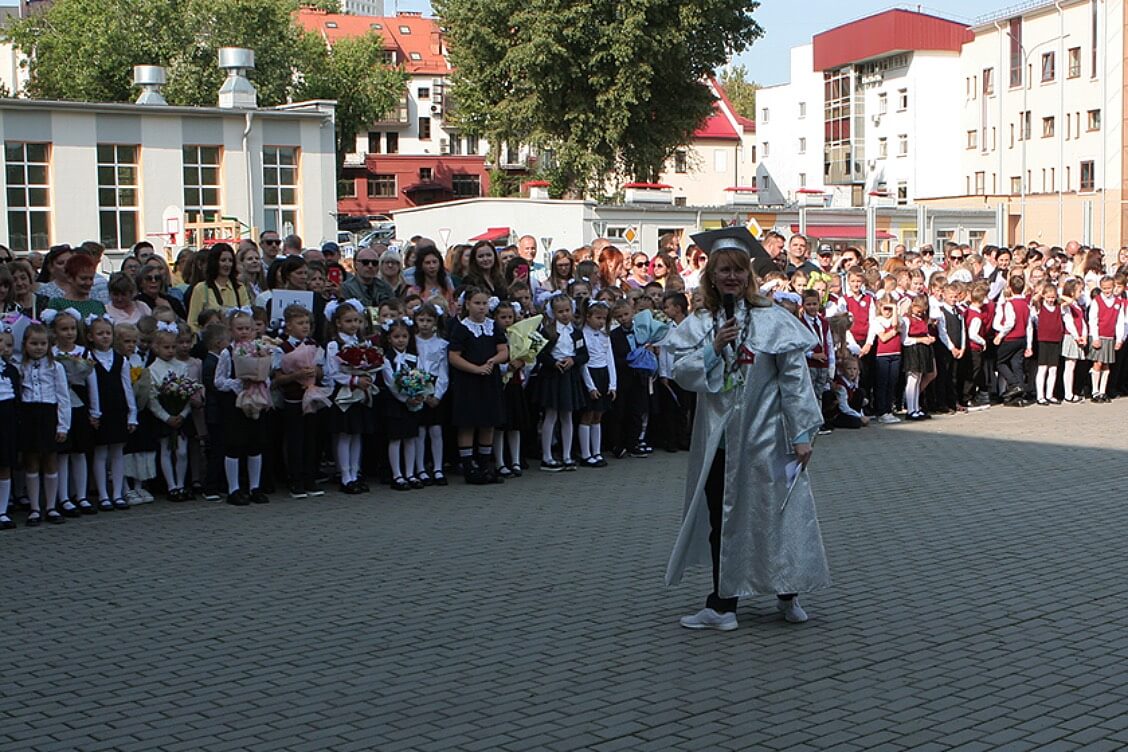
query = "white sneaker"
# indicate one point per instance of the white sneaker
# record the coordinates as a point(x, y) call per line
point(707, 618)
point(146, 497)
point(888, 419)
point(791, 610)
point(133, 498)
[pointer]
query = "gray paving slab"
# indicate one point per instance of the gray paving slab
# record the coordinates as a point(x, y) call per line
point(978, 566)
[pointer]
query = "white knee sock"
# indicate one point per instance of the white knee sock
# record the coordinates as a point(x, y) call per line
point(5, 494)
point(566, 436)
point(64, 475)
point(421, 450)
point(117, 470)
point(409, 457)
point(181, 461)
point(356, 446)
point(1104, 380)
point(548, 428)
point(50, 486)
point(912, 392)
point(513, 438)
point(31, 480)
point(499, 447)
point(1051, 381)
point(394, 458)
point(167, 470)
point(584, 432)
point(1067, 377)
point(344, 442)
point(78, 476)
point(435, 433)
point(597, 439)
point(254, 471)
point(231, 470)
point(1040, 382)
point(100, 454)
point(1095, 377)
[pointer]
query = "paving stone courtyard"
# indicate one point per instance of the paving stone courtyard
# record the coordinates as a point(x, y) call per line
point(979, 604)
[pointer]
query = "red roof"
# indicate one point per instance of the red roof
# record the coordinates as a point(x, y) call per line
point(494, 235)
point(748, 124)
point(419, 49)
point(648, 186)
point(842, 232)
point(887, 33)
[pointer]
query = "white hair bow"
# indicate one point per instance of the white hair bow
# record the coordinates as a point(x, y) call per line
point(95, 316)
point(494, 302)
point(406, 321)
point(781, 296)
point(49, 316)
point(164, 326)
point(241, 309)
point(516, 307)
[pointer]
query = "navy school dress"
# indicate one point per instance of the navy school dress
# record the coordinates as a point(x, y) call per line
point(476, 400)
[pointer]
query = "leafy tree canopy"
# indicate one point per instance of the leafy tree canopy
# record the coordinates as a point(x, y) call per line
point(741, 91)
point(85, 50)
point(612, 87)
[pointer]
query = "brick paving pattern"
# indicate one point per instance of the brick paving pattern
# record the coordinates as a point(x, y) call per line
point(978, 564)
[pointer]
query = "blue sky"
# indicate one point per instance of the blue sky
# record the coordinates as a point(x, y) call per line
point(788, 24)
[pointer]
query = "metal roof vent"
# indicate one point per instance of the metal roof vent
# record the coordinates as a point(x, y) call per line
point(150, 79)
point(237, 92)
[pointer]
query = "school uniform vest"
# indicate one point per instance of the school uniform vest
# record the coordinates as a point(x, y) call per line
point(917, 327)
point(111, 398)
point(821, 329)
point(1107, 316)
point(1078, 319)
point(859, 310)
point(984, 322)
point(1021, 318)
point(854, 396)
point(893, 345)
point(1051, 327)
point(954, 323)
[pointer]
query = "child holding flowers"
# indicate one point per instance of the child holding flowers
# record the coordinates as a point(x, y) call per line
point(69, 350)
point(245, 364)
point(406, 387)
point(298, 369)
point(432, 352)
point(351, 364)
point(171, 403)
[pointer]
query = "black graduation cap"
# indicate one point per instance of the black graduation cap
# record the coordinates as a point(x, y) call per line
point(740, 238)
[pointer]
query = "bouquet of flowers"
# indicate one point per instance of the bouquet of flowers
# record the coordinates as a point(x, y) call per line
point(525, 342)
point(142, 389)
point(175, 392)
point(361, 359)
point(251, 362)
point(77, 370)
point(304, 356)
point(415, 385)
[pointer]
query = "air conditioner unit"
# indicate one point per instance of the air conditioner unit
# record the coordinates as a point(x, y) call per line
point(436, 109)
point(444, 147)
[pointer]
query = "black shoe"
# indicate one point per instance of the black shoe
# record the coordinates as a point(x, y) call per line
point(551, 466)
point(54, 517)
point(426, 479)
point(121, 505)
point(34, 519)
point(590, 462)
point(68, 509)
point(638, 452)
point(415, 483)
point(85, 507)
point(238, 499)
point(440, 479)
point(6, 522)
point(362, 485)
point(313, 490)
point(401, 484)
point(489, 475)
point(515, 470)
point(570, 465)
point(258, 497)
point(619, 453)
point(176, 495)
point(106, 505)
point(297, 491)
point(602, 462)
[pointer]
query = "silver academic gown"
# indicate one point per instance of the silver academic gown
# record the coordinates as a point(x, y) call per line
point(760, 408)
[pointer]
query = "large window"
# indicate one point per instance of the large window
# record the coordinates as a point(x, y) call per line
point(381, 186)
point(1094, 120)
point(346, 188)
point(201, 182)
point(29, 207)
point(466, 186)
point(988, 81)
point(1088, 176)
point(1047, 127)
point(1049, 66)
point(1015, 37)
point(424, 128)
point(117, 195)
point(1074, 62)
point(280, 188)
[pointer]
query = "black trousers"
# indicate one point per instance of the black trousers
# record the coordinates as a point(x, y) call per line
point(1010, 363)
point(628, 411)
point(944, 385)
point(715, 498)
point(973, 382)
point(300, 444)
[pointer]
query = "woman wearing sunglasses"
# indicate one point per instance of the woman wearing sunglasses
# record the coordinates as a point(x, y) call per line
point(639, 273)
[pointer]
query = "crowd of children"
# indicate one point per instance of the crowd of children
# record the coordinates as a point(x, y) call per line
point(488, 371)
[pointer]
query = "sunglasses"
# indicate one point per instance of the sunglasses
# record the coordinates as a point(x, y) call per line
point(272, 242)
point(639, 264)
point(152, 278)
point(368, 262)
point(956, 258)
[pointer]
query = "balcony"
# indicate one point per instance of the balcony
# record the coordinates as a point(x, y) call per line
point(397, 117)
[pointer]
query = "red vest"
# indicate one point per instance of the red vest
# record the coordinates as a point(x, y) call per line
point(1051, 327)
point(984, 326)
point(1078, 319)
point(1107, 316)
point(918, 327)
point(1021, 318)
point(893, 346)
point(821, 330)
point(860, 311)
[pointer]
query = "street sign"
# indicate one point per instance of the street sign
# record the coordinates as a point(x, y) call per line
point(546, 244)
point(754, 228)
point(631, 234)
point(444, 236)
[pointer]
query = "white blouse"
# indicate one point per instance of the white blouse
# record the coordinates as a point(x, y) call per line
point(433, 359)
point(45, 382)
point(598, 343)
point(106, 360)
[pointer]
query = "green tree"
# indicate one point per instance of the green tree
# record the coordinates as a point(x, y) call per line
point(85, 50)
point(612, 87)
point(741, 92)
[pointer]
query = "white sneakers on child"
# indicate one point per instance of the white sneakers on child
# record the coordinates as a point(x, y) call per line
point(707, 618)
point(791, 610)
point(888, 419)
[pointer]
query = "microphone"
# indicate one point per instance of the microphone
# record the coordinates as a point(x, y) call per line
point(729, 302)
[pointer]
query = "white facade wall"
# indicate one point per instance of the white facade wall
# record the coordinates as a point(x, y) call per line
point(562, 221)
point(363, 7)
point(794, 113)
point(994, 164)
point(73, 131)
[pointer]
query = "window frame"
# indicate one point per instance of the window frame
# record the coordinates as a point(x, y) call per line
point(383, 180)
point(120, 209)
point(280, 211)
point(35, 218)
